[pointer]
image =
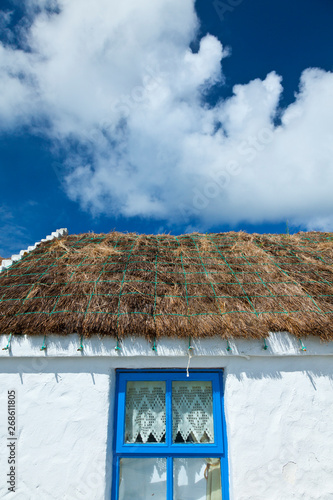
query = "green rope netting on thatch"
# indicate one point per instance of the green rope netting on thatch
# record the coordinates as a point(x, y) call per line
point(230, 284)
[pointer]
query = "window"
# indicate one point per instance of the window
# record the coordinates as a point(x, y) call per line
point(170, 441)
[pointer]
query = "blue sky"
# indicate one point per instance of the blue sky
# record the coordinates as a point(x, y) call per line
point(164, 117)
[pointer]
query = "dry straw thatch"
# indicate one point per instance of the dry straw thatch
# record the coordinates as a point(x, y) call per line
point(226, 284)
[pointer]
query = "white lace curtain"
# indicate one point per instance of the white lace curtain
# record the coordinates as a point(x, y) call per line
point(145, 412)
point(192, 412)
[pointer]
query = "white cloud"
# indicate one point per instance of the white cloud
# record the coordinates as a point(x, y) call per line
point(321, 224)
point(118, 81)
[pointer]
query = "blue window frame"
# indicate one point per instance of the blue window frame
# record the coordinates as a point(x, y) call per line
point(168, 449)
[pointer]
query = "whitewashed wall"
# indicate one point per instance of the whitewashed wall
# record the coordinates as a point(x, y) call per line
point(279, 412)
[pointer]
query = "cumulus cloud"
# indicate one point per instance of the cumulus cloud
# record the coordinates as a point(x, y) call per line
point(116, 86)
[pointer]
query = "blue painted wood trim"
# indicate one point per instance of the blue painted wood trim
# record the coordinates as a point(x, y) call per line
point(115, 459)
point(168, 414)
point(224, 458)
point(169, 450)
point(168, 447)
point(169, 478)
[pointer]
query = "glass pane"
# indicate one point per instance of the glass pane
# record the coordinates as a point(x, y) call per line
point(197, 479)
point(142, 478)
point(145, 412)
point(192, 412)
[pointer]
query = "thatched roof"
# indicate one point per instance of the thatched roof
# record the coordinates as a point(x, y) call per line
point(226, 284)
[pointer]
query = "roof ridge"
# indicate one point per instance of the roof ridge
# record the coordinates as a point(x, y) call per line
point(6, 263)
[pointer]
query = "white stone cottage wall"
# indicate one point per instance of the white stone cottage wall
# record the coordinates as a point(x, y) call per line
point(278, 405)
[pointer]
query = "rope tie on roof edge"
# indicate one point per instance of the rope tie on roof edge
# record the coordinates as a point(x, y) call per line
point(118, 347)
point(190, 346)
point(302, 348)
point(81, 344)
point(44, 346)
point(8, 344)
